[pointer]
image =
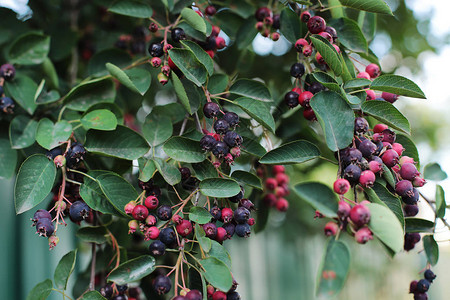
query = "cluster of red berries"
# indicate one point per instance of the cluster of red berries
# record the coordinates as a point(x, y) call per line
point(133, 43)
point(371, 72)
point(420, 288)
point(112, 291)
point(267, 23)
point(215, 294)
point(224, 142)
point(7, 73)
point(275, 187)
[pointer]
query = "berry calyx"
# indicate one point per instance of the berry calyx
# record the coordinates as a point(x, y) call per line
point(79, 211)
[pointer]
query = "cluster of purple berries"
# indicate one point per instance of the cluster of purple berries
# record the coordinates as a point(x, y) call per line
point(420, 288)
point(267, 23)
point(7, 73)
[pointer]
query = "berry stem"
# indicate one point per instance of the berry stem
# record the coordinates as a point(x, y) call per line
point(62, 293)
point(94, 259)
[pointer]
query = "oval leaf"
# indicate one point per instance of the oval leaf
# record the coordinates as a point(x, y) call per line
point(319, 196)
point(92, 234)
point(397, 85)
point(64, 269)
point(431, 249)
point(357, 83)
point(125, 79)
point(92, 295)
point(252, 89)
point(89, 93)
point(257, 110)
point(201, 55)
point(386, 113)
point(327, 80)
point(157, 129)
point(132, 8)
point(133, 270)
point(440, 201)
point(247, 178)
point(335, 117)
point(193, 19)
point(385, 225)
point(291, 153)
point(100, 119)
point(219, 187)
point(334, 269)
point(290, 25)
point(376, 6)
point(122, 142)
point(29, 49)
point(217, 273)
point(392, 202)
point(50, 135)
point(185, 150)
point(41, 291)
point(253, 147)
point(350, 34)
point(22, 132)
point(169, 172)
point(146, 169)
point(433, 171)
point(328, 53)
point(418, 225)
point(181, 92)
point(8, 159)
point(199, 215)
point(218, 251)
point(191, 67)
point(34, 182)
point(23, 89)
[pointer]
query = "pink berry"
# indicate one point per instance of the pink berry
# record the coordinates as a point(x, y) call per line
point(282, 204)
point(280, 191)
point(331, 228)
point(398, 148)
point(406, 160)
point(278, 169)
point(343, 209)
point(316, 24)
point(282, 178)
point(363, 235)
point(391, 98)
point(363, 75)
point(219, 295)
point(300, 44)
point(220, 43)
point(251, 221)
point(336, 47)
point(156, 62)
point(177, 219)
point(370, 95)
point(419, 182)
point(307, 50)
point(221, 234)
point(379, 128)
point(140, 212)
point(360, 215)
point(184, 228)
point(133, 225)
point(341, 186)
point(409, 171)
point(304, 98)
point(271, 183)
point(377, 137)
point(227, 214)
point(129, 207)
point(327, 36)
point(375, 166)
point(152, 233)
point(373, 70)
point(305, 16)
point(390, 158)
point(404, 188)
point(275, 36)
point(367, 179)
point(151, 202)
point(320, 59)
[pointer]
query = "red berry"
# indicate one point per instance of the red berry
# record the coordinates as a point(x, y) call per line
point(211, 53)
point(360, 215)
point(276, 169)
point(305, 16)
point(152, 233)
point(220, 43)
point(280, 191)
point(309, 114)
point(375, 166)
point(379, 128)
point(151, 202)
point(129, 207)
point(215, 30)
point(409, 171)
point(390, 158)
point(251, 221)
point(391, 98)
point(155, 62)
point(419, 182)
point(210, 10)
point(221, 234)
point(300, 44)
point(150, 220)
point(271, 183)
point(320, 59)
point(373, 70)
point(270, 199)
point(307, 50)
point(219, 295)
point(282, 178)
point(343, 209)
point(367, 179)
point(336, 47)
point(282, 204)
point(316, 25)
point(184, 228)
point(363, 235)
point(341, 186)
point(227, 214)
point(370, 95)
point(331, 228)
point(177, 219)
point(140, 212)
point(326, 36)
point(275, 36)
point(398, 148)
point(304, 98)
point(363, 75)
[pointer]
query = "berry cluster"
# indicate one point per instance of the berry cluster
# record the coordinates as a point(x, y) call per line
point(225, 143)
point(267, 23)
point(133, 43)
point(7, 73)
point(420, 288)
point(275, 187)
point(113, 291)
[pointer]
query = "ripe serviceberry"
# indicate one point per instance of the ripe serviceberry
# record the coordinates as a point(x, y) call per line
point(391, 98)
point(341, 186)
point(227, 214)
point(282, 205)
point(388, 136)
point(216, 213)
point(210, 230)
point(185, 173)
point(79, 211)
point(404, 188)
point(243, 230)
point(276, 21)
point(291, 99)
point(236, 198)
point(151, 202)
point(156, 49)
point(390, 158)
point(316, 24)
point(409, 171)
point(233, 296)
point(207, 142)
point(164, 212)
point(184, 228)
point(361, 126)
point(168, 236)
point(420, 296)
point(305, 16)
point(220, 150)
point(363, 235)
point(316, 87)
point(178, 34)
point(429, 275)
point(423, 285)
point(304, 99)
point(241, 215)
point(193, 295)
point(221, 234)
point(367, 179)
point(331, 228)
point(373, 70)
point(232, 139)
point(210, 10)
point(411, 198)
point(157, 248)
point(413, 287)
point(162, 284)
point(410, 210)
point(352, 173)
point(411, 239)
point(107, 291)
point(7, 71)
point(332, 32)
point(232, 118)
point(41, 214)
point(44, 227)
point(230, 229)
point(308, 114)
point(211, 109)
point(221, 126)
point(343, 209)
point(219, 295)
point(262, 12)
point(367, 148)
point(297, 70)
point(360, 215)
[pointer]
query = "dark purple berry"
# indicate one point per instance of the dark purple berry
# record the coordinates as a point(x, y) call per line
point(178, 34)
point(156, 49)
point(233, 296)
point(248, 204)
point(210, 230)
point(420, 296)
point(241, 215)
point(316, 24)
point(404, 188)
point(79, 211)
point(332, 32)
point(122, 288)
point(211, 109)
point(230, 229)
point(51, 154)
point(168, 236)
point(216, 213)
point(276, 22)
point(388, 136)
point(411, 210)
point(221, 126)
point(232, 118)
point(207, 142)
point(120, 297)
point(185, 173)
point(44, 227)
point(41, 214)
point(157, 248)
point(220, 149)
point(162, 284)
point(297, 70)
point(232, 139)
point(411, 239)
point(7, 105)
point(423, 285)
point(7, 71)
point(262, 12)
point(361, 126)
point(236, 198)
point(164, 212)
point(316, 87)
point(291, 99)
point(411, 199)
point(243, 230)
point(352, 173)
point(107, 291)
point(210, 10)
point(367, 148)
point(429, 275)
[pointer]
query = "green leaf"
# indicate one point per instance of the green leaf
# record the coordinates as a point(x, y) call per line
point(385, 225)
point(191, 67)
point(193, 19)
point(217, 273)
point(368, 23)
point(199, 215)
point(433, 171)
point(47, 97)
point(350, 34)
point(253, 147)
point(91, 92)
point(246, 33)
point(219, 187)
point(290, 25)
point(169, 172)
point(100, 119)
point(29, 49)
point(247, 178)
point(397, 85)
point(131, 8)
point(319, 196)
point(376, 6)
point(34, 182)
point(185, 150)
point(93, 234)
point(431, 249)
point(8, 159)
point(23, 89)
point(418, 225)
point(92, 295)
point(117, 190)
point(181, 92)
point(122, 142)
point(387, 175)
point(335, 117)
point(217, 83)
point(64, 269)
point(326, 80)
point(218, 251)
point(157, 129)
point(410, 147)
point(440, 201)
point(50, 135)
point(291, 153)
point(205, 243)
point(252, 89)
point(386, 113)
point(328, 53)
point(257, 110)
point(201, 55)
point(130, 78)
point(334, 269)
point(97, 63)
point(204, 170)
point(146, 169)
point(357, 83)
point(392, 202)
point(41, 291)
point(133, 270)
